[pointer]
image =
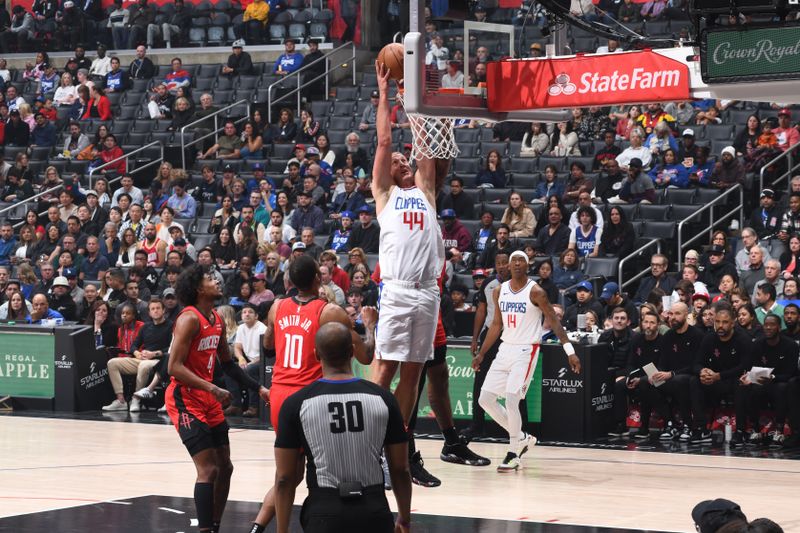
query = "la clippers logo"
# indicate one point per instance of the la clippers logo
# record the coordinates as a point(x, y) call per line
point(562, 85)
point(562, 372)
point(186, 421)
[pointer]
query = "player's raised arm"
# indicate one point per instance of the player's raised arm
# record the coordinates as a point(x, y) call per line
point(539, 298)
point(494, 330)
point(382, 166)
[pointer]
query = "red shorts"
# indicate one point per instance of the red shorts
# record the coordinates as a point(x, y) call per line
point(277, 395)
point(197, 416)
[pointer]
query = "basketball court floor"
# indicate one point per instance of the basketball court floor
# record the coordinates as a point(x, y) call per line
point(106, 474)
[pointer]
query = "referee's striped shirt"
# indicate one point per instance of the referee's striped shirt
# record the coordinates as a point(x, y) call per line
point(342, 426)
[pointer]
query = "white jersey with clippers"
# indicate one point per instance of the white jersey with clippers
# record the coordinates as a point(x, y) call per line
point(522, 319)
point(411, 245)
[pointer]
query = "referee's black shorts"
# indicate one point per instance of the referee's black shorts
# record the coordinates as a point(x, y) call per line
point(324, 511)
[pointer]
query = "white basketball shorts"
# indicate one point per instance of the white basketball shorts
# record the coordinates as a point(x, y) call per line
point(407, 321)
point(512, 370)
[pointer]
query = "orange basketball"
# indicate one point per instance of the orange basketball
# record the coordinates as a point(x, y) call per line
point(391, 56)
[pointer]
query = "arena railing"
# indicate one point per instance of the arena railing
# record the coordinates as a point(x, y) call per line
point(300, 86)
point(635, 255)
point(792, 164)
point(719, 200)
point(125, 157)
point(217, 128)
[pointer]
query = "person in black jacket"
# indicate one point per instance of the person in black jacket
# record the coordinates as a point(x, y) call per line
point(554, 237)
point(482, 236)
point(545, 272)
point(723, 357)
point(658, 278)
point(717, 266)
point(781, 354)
point(316, 89)
point(501, 241)
point(680, 344)
point(618, 235)
point(585, 302)
point(613, 298)
point(366, 234)
point(239, 62)
point(459, 201)
point(141, 68)
point(17, 132)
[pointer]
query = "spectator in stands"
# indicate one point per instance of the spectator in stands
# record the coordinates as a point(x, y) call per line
point(178, 77)
point(66, 93)
point(765, 297)
point(535, 141)
point(657, 279)
point(182, 203)
point(366, 233)
point(142, 67)
point(608, 152)
point(564, 141)
point(454, 233)
point(586, 237)
point(653, 115)
point(75, 142)
point(99, 106)
point(101, 64)
point(660, 139)
point(727, 172)
point(749, 239)
point(518, 217)
point(289, 61)
point(492, 175)
point(618, 235)
point(175, 27)
point(17, 132)
point(584, 200)
point(349, 200)
point(228, 145)
point(353, 148)
point(635, 151)
point(754, 271)
point(555, 236)
point(127, 188)
point(116, 80)
point(16, 188)
point(44, 134)
point(500, 242)
point(717, 267)
point(453, 78)
point(746, 140)
point(772, 276)
point(549, 186)
point(669, 172)
point(61, 301)
point(239, 62)
point(140, 17)
point(112, 152)
point(19, 32)
point(337, 241)
point(578, 183)
point(248, 220)
point(459, 201)
point(254, 21)
point(585, 302)
point(709, 116)
point(252, 143)
point(41, 310)
point(118, 24)
point(370, 113)
point(637, 188)
point(285, 131)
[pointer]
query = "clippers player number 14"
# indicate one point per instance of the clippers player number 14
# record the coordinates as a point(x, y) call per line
point(520, 307)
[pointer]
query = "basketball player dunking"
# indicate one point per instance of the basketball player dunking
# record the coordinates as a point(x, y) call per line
point(194, 403)
point(292, 324)
point(411, 252)
point(512, 370)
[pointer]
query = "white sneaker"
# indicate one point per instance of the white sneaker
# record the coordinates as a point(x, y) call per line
point(162, 409)
point(509, 464)
point(144, 394)
point(136, 405)
point(526, 443)
point(116, 405)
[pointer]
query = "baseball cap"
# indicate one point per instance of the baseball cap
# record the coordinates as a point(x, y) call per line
point(348, 214)
point(69, 273)
point(91, 192)
point(238, 43)
point(257, 166)
point(688, 132)
point(180, 241)
point(479, 9)
point(609, 290)
point(635, 163)
point(716, 249)
point(299, 146)
point(479, 273)
point(312, 150)
point(584, 286)
point(701, 295)
point(785, 111)
point(60, 281)
point(448, 213)
point(517, 253)
point(365, 209)
point(260, 276)
point(769, 193)
point(375, 94)
point(228, 168)
point(168, 292)
point(298, 246)
point(711, 515)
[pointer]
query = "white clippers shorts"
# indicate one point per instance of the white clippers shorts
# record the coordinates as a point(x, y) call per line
point(512, 370)
point(407, 321)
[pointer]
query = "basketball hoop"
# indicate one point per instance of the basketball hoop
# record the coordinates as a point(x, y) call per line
point(431, 137)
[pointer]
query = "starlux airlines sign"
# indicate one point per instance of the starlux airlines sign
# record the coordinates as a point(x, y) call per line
point(582, 81)
point(750, 54)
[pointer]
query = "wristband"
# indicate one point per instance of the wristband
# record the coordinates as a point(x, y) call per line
point(569, 349)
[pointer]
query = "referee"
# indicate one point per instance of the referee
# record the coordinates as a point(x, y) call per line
point(341, 423)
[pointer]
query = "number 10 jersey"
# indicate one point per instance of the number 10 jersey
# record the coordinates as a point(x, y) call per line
point(296, 325)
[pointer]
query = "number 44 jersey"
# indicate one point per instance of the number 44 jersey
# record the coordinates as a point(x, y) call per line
point(296, 325)
point(411, 246)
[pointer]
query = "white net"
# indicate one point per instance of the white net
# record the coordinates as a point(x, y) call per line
point(432, 137)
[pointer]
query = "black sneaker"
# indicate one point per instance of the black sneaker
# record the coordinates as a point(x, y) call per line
point(670, 432)
point(461, 455)
point(470, 433)
point(619, 430)
point(686, 434)
point(642, 434)
point(701, 436)
point(419, 475)
point(737, 439)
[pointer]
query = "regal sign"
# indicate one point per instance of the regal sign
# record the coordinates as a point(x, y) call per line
point(585, 80)
point(750, 54)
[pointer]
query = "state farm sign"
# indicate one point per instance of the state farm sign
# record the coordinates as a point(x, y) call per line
point(582, 81)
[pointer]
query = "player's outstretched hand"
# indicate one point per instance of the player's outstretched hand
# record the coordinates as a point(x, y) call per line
point(575, 364)
point(369, 315)
point(476, 362)
point(222, 395)
point(264, 393)
point(383, 77)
